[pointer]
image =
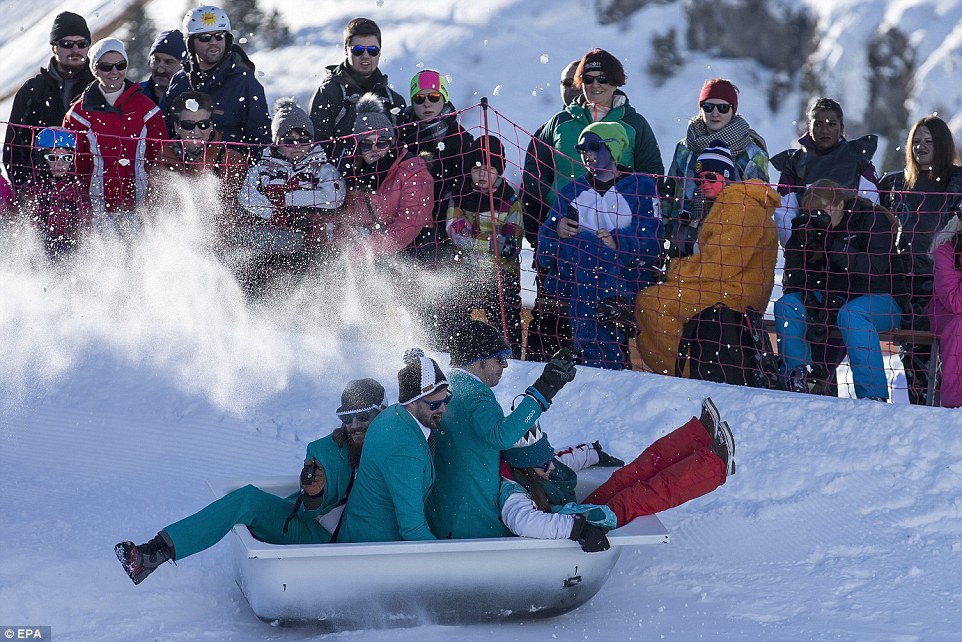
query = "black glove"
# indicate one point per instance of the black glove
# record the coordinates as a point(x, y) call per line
point(557, 372)
point(592, 538)
point(604, 459)
point(510, 248)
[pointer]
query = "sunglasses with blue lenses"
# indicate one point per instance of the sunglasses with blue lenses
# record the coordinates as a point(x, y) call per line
point(372, 50)
point(434, 405)
point(363, 416)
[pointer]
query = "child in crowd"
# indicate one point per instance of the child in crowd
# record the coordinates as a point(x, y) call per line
point(600, 245)
point(56, 200)
point(488, 239)
point(293, 192)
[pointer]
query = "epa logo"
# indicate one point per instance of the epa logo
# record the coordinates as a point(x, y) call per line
point(26, 633)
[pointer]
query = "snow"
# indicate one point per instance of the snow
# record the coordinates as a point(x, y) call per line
point(138, 373)
point(134, 374)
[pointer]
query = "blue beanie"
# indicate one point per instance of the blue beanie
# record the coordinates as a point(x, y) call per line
point(170, 43)
point(531, 450)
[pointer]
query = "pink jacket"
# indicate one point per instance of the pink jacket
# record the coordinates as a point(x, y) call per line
point(391, 218)
point(947, 296)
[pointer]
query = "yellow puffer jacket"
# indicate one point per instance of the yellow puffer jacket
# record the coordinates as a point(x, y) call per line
point(735, 265)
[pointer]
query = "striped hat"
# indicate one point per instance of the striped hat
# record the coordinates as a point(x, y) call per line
point(419, 377)
point(717, 157)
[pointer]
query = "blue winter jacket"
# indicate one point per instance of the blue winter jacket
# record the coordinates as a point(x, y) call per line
point(237, 93)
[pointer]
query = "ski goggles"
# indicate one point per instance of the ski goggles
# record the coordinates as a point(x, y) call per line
point(372, 50)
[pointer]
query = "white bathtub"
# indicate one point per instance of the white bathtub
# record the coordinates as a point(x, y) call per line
point(412, 583)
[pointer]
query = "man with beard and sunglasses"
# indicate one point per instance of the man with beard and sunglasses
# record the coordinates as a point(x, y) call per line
point(733, 261)
point(309, 516)
point(218, 67)
point(333, 104)
point(43, 100)
point(397, 469)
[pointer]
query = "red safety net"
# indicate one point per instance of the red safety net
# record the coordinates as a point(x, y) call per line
point(620, 265)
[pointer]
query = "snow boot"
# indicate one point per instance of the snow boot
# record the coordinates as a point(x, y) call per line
point(139, 561)
point(724, 447)
point(709, 418)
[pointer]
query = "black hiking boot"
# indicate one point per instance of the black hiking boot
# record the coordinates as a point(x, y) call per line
point(724, 447)
point(139, 561)
point(709, 418)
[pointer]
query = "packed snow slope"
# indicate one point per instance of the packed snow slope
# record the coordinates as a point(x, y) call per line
point(132, 374)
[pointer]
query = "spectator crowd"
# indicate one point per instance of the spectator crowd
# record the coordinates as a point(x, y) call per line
point(625, 253)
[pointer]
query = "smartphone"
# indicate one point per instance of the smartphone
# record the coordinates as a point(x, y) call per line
point(572, 214)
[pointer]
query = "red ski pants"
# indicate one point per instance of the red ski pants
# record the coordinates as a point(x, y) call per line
point(676, 468)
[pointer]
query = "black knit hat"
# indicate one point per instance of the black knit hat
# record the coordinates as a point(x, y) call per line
point(476, 156)
point(419, 377)
point(360, 395)
point(474, 341)
point(68, 24)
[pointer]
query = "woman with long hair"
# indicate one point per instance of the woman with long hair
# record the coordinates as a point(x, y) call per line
point(924, 196)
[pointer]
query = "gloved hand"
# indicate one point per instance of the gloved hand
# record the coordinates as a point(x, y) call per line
point(593, 539)
point(604, 459)
point(557, 372)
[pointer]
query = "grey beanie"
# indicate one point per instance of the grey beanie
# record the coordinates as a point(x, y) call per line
point(371, 117)
point(419, 377)
point(289, 116)
point(361, 395)
point(105, 45)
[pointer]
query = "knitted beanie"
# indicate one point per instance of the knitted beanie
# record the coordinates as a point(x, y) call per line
point(360, 395)
point(716, 158)
point(288, 116)
point(613, 135)
point(419, 377)
point(530, 451)
point(101, 47)
point(719, 89)
point(475, 155)
point(430, 80)
point(371, 117)
point(68, 24)
point(474, 341)
point(170, 43)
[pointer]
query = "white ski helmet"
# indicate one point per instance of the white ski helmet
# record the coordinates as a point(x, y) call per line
point(206, 19)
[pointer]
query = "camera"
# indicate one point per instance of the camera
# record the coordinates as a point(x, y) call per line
point(309, 473)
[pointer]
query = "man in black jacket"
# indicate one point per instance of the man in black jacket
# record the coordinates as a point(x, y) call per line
point(332, 106)
point(43, 100)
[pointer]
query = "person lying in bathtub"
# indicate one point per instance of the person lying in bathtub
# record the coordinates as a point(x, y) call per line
point(306, 517)
point(538, 484)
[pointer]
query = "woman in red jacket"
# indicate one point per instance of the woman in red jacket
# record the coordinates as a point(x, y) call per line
point(120, 132)
point(390, 196)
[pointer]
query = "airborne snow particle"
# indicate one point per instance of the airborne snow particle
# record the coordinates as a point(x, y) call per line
point(544, 59)
point(497, 91)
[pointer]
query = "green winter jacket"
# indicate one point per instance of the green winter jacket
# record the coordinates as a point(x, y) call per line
point(553, 162)
point(464, 503)
point(392, 484)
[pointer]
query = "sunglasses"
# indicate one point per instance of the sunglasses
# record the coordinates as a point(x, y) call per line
point(502, 359)
point(567, 82)
point(590, 80)
point(348, 418)
point(54, 157)
point(434, 405)
point(710, 107)
point(708, 177)
point(593, 145)
point(418, 99)
point(207, 37)
point(372, 50)
point(70, 44)
point(295, 140)
point(106, 66)
point(368, 145)
point(545, 466)
point(188, 125)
